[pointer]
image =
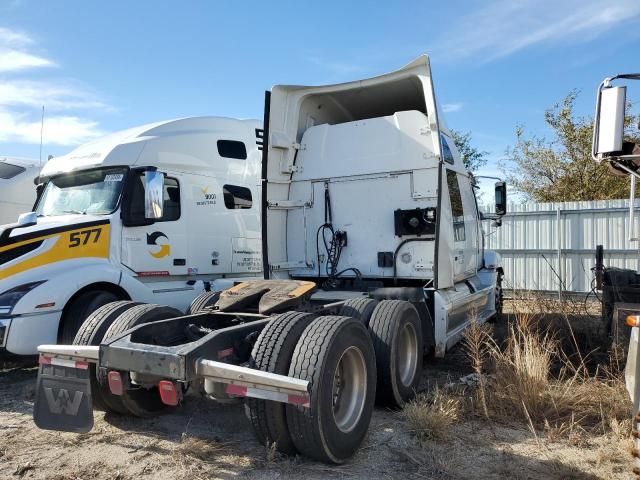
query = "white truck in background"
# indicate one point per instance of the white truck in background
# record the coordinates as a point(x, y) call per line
point(17, 188)
point(373, 256)
point(95, 236)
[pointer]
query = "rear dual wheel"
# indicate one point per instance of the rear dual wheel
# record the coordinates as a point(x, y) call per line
point(202, 302)
point(79, 310)
point(396, 332)
point(358, 308)
point(139, 400)
point(336, 356)
point(105, 323)
point(272, 352)
point(91, 333)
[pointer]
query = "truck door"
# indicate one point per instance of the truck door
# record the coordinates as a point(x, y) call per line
point(157, 248)
point(471, 221)
point(460, 232)
point(224, 230)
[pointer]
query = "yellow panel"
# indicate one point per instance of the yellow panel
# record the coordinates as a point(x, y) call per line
point(83, 242)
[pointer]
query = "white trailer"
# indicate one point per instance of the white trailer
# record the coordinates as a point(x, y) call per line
point(90, 240)
point(372, 257)
point(17, 188)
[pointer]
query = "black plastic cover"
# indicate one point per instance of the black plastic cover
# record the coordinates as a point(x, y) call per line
point(417, 221)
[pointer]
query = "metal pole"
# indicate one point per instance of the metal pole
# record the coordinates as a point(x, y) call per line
point(41, 131)
point(632, 199)
point(559, 247)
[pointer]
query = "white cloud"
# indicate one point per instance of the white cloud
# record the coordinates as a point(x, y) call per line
point(55, 96)
point(13, 60)
point(58, 129)
point(13, 37)
point(21, 99)
point(451, 107)
point(499, 28)
point(13, 54)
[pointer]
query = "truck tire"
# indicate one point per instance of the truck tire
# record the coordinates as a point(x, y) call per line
point(205, 299)
point(499, 299)
point(359, 308)
point(140, 401)
point(91, 333)
point(396, 332)
point(336, 356)
point(79, 309)
point(272, 353)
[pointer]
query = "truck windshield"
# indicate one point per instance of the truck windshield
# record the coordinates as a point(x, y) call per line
point(93, 192)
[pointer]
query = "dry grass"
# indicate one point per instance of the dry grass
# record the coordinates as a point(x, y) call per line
point(430, 416)
point(523, 383)
point(198, 448)
point(540, 374)
point(535, 379)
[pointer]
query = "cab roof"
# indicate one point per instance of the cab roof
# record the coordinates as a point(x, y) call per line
point(125, 147)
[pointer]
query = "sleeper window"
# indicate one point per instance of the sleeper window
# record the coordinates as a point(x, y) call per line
point(8, 170)
point(457, 212)
point(237, 197)
point(232, 149)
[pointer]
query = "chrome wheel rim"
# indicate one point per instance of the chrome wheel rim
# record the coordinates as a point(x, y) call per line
point(407, 354)
point(349, 389)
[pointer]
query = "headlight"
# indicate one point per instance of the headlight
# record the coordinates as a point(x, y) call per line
point(9, 298)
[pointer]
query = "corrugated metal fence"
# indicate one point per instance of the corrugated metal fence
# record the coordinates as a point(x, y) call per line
point(548, 246)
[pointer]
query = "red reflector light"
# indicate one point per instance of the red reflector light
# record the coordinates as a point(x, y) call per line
point(82, 365)
point(298, 400)
point(45, 360)
point(168, 393)
point(115, 382)
point(236, 390)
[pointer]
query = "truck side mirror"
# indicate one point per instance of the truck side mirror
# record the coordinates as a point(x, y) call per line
point(153, 194)
point(501, 198)
point(610, 113)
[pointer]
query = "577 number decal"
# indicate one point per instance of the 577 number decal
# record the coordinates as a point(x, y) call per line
point(84, 236)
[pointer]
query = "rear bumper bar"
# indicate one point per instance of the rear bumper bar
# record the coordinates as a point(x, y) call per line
point(80, 353)
point(251, 379)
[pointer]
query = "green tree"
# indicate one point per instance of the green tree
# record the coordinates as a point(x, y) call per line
point(561, 169)
point(472, 158)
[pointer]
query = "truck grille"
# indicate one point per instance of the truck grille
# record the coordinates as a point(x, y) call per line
point(4, 329)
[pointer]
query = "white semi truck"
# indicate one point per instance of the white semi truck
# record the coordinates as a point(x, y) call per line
point(91, 240)
point(17, 190)
point(372, 257)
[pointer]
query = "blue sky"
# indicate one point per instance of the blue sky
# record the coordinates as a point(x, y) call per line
point(103, 66)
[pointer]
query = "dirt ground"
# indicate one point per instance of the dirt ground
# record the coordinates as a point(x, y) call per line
point(207, 440)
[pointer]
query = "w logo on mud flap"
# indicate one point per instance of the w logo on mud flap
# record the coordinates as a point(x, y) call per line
point(62, 403)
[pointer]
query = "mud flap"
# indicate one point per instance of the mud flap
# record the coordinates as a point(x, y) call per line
point(63, 398)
